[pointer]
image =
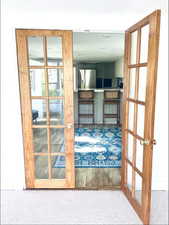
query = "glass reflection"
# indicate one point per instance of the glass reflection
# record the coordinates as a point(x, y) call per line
point(133, 47)
point(57, 140)
point(58, 167)
point(37, 82)
point(129, 176)
point(35, 51)
point(41, 167)
point(40, 140)
point(56, 112)
point(55, 80)
point(54, 51)
point(144, 44)
point(131, 116)
point(142, 84)
point(138, 188)
point(38, 111)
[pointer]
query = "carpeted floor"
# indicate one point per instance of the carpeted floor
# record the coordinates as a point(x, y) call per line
point(77, 207)
point(95, 148)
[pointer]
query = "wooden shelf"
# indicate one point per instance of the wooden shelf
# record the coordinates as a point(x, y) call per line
point(86, 101)
point(112, 98)
point(86, 98)
point(86, 115)
point(111, 101)
point(110, 115)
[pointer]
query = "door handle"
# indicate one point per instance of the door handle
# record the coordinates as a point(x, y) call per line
point(69, 125)
point(147, 142)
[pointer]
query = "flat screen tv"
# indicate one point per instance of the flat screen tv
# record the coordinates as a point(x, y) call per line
point(107, 83)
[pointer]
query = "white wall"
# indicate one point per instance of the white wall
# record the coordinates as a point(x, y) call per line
point(76, 15)
point(119, 67)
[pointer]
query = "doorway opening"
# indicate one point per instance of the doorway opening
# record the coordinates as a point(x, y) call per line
point(98, 92)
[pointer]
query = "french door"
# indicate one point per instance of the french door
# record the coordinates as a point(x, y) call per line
point(46, 90)
point(141, 56)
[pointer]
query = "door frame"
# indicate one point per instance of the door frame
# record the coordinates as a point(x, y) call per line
point(26, 111)
point(154, 21)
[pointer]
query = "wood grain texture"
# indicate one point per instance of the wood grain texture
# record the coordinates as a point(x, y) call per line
point(150, 111)
point(69, 107)
point(153, 20)
point(25, 107)
point(125, 110)
point(136, 112)
point(97, 178)
point(21, 37)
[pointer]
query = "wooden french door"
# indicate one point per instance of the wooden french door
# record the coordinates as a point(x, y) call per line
point(141, 58)
point(46, 90)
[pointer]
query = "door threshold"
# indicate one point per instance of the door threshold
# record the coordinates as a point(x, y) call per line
point(76, 189)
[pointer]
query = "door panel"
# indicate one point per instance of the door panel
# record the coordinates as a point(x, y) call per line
point(141, 55)
point(46, 90)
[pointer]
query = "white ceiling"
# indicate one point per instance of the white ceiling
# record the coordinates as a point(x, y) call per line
point(86, 6)
point(89, 47)
point(97, 47)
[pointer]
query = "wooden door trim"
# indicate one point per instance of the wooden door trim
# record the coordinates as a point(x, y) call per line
point(69, 109)
point(144, 21)
point(25, 110)
point(150, 113)
point(25, 96)
point(154, 21)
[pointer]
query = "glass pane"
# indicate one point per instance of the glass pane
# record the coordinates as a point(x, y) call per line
point(41, 167)
point(40, 140)
point(37, 82)
point(54, 51)
point(38, 111)
point(132, 83)
point(56, 112)
point(35, 51)
point(144, 44)
point(130, 147)
point(142, 84)
point(89, 120)
point(131, 116)
point(138, 187)
point(58, 167)
point(86, 109)
point(57, 140)
point(139, 155)
point(55, 79)
point(133, 47)
point(110, 108)
point(109, 121)
point(140, 120)
point(129, 176)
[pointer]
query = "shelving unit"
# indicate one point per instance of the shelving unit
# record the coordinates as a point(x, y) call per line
point(86, 98)
point(111, 98)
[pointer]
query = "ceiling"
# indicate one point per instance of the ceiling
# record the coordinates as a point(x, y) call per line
point(85, 6)
point(97, 47)
point(88, 47)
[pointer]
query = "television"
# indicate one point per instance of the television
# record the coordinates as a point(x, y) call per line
point(107, 83)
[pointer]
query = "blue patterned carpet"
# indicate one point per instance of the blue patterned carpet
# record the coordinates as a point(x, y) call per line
point(96, 148)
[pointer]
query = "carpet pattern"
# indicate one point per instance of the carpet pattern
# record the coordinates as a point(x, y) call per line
point(95, 148)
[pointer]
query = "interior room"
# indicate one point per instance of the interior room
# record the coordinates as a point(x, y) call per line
point(98, 90)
